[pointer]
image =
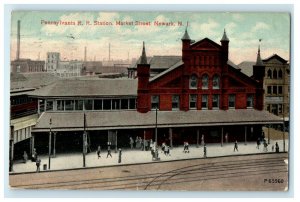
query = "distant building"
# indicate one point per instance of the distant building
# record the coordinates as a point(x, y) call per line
point(276, 84)
point(27, 65)
point(52, 61)
point(69, 68)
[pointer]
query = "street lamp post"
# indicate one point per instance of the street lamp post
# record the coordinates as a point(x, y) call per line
point(50, 124)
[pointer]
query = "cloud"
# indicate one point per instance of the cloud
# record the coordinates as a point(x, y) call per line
point(207, 29)
point(237, 17)
point(260, 26)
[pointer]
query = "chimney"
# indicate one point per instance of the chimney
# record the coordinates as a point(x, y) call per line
point(18, 40)
point(85, 54)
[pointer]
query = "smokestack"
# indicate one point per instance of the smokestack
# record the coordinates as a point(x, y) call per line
point(18, 40)
point(85, 54)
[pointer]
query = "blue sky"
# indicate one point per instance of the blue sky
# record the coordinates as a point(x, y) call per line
point(243, 29)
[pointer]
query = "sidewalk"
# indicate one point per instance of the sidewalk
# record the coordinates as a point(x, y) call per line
point(75, 160)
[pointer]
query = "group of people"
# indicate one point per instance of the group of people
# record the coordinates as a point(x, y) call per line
point(265, 144)
point(138, 143)
point(109, 153)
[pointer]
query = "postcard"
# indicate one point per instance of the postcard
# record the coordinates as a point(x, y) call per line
point(189, 101)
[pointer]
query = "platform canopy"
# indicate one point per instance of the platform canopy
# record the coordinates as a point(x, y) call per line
point(112, 120)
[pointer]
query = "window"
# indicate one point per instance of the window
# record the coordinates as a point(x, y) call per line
point(275, 109)
point(175, 102)
point(268, 108)
point(231, 101)
point(60, 105)
point(193, 101)
point(124, 103)
point(250, 101)
point(275, 74)
point(97, 104)
point(280, 74)
point(204, 104)
point(115, 104)
point(69, 105)
point(216, 82)
point(193, 82)
point(88, 104)
point(275, 90)
point(269, 90)
point(49, 105)
point(280, 90)
point(280, 109)
point(154, 102)
point(78, 104)
point(215, 103)
point(269, 74)
point(107, 104)
point(205, 82)
point(132, 103)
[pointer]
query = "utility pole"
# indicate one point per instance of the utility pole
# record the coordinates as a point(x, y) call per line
point(50, 124)
point(84, 139)
point(11, 149)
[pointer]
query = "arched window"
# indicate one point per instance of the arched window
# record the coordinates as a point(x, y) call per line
point(280, 74)
point(193, 82)
point(205, 81)
point(275, 74)
point(269, 73)
point(216, 82)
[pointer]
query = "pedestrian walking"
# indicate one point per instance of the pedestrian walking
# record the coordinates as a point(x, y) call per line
point(257, 143)
point(146, 145)
point(38, 164)
point(131, 142)
point(142, 144)
point(136, 142)
point(108, 152)
point(265, 146)
point(120, 155)
point(186, 147)
point(235, 146)
point(204, 151)
point(99, 151)
point(226, 137)
point(202, 140)
point(34, 155)
point(25, 156)
point(167, 150)
point(276, 147)
point(272, 148)
point(163, 147)
point(151, 145)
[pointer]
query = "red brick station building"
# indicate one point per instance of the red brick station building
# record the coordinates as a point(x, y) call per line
point(204, 93)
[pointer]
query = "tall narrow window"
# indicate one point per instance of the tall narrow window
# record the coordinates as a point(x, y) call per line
point(275, 74)
point(269, 74)
point(280, 109)
point(60, 105)
point(175, 102)
point(154, 102)
point(275, 90)
point(231, 101)
point(280, 74)
point(106, 104)
point(215, 103)
point(269, 90)
point(49, 106)
point(124, 103)
point(193, 82)
point(204, 104)
point(216, 82)
point(132, 103)
point(193, 101)
point(250, 101)
point(205, 81)
point(115, 104)
point(280, 90)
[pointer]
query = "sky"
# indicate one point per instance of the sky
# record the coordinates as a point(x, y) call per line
point(243, 30)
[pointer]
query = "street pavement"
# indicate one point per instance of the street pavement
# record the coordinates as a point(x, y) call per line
point(134, 156)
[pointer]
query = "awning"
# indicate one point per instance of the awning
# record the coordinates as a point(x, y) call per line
point(108, 120)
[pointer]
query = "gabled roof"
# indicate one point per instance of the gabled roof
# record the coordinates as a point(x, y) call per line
point(247, 67)
point(276, 57)
point(105, 120)
point(88, 88)
point(178, 64)
point(160, 61)
point(208, 40)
